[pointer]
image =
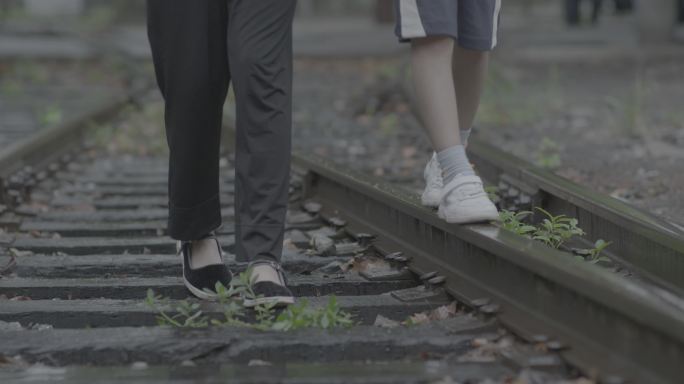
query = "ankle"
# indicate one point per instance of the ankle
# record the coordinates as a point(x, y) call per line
point(205, 251)
point(453, 161)
point(267, 271)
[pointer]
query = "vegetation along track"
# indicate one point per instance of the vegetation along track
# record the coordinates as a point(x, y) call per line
point(88, 243)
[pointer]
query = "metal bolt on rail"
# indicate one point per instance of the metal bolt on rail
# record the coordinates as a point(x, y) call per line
point(435, 282)
point(481, 302)
point(364, 239)
point(393, 256)
point(312, 207)
point(428, 275)
point(337, 222)
point(490, 309)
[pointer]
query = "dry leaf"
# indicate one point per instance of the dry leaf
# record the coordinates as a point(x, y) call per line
point(384, 322)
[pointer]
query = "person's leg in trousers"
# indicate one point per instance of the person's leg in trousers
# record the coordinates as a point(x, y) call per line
point(260, 57)
point(188, 40)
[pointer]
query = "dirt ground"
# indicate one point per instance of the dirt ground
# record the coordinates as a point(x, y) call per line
point(615, 126)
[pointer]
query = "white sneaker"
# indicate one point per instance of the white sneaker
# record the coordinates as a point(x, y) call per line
point(432, 195)
point(465, 201)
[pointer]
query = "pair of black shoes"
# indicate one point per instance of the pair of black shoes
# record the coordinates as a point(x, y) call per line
point(201, 282)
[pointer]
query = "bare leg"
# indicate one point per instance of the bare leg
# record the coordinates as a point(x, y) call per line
point(469, 73)
point(434, 86)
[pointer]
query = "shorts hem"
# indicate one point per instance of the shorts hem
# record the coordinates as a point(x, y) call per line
point(463, 42)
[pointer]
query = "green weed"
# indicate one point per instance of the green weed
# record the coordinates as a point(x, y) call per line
point(99, 18)
point(493, 193)
point(389, 124)
point(390, 71)
point(50, 116)
point(553, 231)
point(593, 255)
point(301, 315)
point(11, 87)
point(31, 72)
point(633, 108)
point(556, 230)
point(513, 221)
point(502, 104)
point(555, 96)
point(181, 315)
point(13, 12)
point(548, 154)
point(140, 132)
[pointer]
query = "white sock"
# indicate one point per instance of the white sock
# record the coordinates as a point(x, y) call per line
point(454, 161)
point(465, 134)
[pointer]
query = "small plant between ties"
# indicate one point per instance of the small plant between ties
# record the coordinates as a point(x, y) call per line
point(594, 254)
point(301, 315)
point(493, 193)
point(548, 155)
point(50, 116)
point(554, 231)
point(185, 314)
point(513, 221)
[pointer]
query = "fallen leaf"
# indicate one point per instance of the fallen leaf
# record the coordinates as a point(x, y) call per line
point(20, 298)
point(419, 318)
point(384, 322)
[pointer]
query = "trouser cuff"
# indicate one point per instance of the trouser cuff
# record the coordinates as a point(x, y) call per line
point(192, 223)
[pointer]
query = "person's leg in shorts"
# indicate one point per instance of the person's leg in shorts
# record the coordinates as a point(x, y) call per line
point(450, 40)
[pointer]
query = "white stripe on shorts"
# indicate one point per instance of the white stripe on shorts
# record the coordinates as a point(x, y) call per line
point(411, 24)
point(495, 22)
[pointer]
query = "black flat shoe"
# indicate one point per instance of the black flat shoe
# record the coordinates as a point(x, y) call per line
point(201, 282)
point(268, 292)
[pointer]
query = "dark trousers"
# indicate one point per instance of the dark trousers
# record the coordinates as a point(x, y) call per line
point(198, 48)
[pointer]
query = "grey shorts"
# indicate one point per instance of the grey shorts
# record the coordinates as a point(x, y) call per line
point(473, 23)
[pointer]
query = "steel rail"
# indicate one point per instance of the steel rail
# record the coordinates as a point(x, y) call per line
point(48, 144)
point(611, 326)
point(650, 246)
point(643, 242)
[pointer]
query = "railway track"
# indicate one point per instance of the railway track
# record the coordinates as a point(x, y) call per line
point(85, 242)
point(88, 241)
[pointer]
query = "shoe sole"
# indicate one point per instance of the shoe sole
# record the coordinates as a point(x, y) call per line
point(468, 218)
point(430, 202)
point(275, 300)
